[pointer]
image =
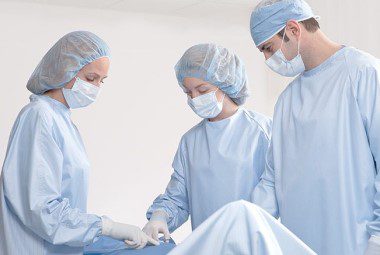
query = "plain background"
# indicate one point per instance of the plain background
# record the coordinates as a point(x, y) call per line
point(132, 132)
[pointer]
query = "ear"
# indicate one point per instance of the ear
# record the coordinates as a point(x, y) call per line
point(293, 29)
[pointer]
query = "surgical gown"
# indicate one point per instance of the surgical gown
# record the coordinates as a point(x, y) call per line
point(43, 188)
point(216, 163)
point(321, 176)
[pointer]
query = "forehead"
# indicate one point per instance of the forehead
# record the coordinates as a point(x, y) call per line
point(99, 66)
point(273, 40)
point(191, 83)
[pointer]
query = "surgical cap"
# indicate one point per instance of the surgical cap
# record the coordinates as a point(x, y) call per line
point(270, 17)
point(64, 60)
point(217, 66)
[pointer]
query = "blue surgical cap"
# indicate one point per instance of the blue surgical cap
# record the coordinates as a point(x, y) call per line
point(270, 17)
point(217, 66)
point(64, 60)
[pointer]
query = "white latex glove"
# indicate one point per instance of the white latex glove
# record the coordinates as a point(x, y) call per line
point(157, 224)
point(373, 246)
point(133, 236)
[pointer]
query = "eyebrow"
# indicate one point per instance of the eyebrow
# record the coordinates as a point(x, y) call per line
point(97, 75)
point(199, 85)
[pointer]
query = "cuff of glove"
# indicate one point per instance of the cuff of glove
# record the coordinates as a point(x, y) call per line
point(375, 240)
point(107, 224)
point(160, 215)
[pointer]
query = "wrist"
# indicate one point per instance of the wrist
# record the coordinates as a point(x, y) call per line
point(160, 215)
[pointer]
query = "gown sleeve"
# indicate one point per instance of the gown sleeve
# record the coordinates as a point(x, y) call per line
point(175, 200)
point(264, 194)
point(368, 98)
point(32, 175)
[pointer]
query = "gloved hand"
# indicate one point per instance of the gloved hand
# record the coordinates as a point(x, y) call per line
point(157, 224)
point(373, 246)
point(133, 236)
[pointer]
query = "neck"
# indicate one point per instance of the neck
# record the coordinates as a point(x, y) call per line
point(57, 95)
point(318, 48)
point(229, 109)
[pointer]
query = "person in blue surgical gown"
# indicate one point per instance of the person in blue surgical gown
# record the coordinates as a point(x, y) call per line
point(322, 176)
point(220, 159)
point(44, 179)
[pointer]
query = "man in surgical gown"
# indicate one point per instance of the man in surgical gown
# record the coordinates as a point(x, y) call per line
point(221, 159)
point(321, 175)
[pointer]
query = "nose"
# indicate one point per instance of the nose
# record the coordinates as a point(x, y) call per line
point(193, 94)
point(267, 55)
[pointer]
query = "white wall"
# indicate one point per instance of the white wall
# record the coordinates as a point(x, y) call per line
point(132, 131)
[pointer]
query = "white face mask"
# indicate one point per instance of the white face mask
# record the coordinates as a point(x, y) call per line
point(289, 68)
point(206, 106)
point(81, 94)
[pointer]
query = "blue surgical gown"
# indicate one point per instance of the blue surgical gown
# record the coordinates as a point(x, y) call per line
point(216, 163)
point(43, 188)
point(321, 176)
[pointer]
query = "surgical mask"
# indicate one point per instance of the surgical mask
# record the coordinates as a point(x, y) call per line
point(289, 68)
point(81, 94)
point(206, 106)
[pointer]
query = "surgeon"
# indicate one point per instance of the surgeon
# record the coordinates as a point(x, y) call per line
point(220, 159)
point(44, 179)
point(322, 173)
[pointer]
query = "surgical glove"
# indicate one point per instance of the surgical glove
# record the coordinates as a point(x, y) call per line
point(133, 236)
point(157, 224)
point(373, 246)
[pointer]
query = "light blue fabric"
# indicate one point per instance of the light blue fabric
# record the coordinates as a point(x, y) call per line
point(268, 20)
point(43, 189)
point(64, 60)
point(322, 177)
point(216, 163)
point(216, 65)
point(104, 245)
point(108, 246)
point(242, 228)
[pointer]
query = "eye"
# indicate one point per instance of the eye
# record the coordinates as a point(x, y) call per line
point(203, 90)
point(90, 79)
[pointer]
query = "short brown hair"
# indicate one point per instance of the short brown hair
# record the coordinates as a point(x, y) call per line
point(311, 25)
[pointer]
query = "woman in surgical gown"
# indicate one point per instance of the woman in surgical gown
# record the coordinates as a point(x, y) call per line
point(221, 159)
point(43, 189)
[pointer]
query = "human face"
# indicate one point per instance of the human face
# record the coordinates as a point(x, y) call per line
point(94, 72)
point(195, 87)
point(289, 47)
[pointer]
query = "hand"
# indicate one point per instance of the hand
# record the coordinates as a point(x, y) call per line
point(133, 236)
point(157, 224)
point(373, 246)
